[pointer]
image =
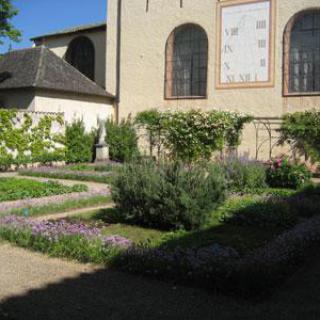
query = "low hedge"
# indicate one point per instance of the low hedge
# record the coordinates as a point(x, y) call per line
point(224, 270)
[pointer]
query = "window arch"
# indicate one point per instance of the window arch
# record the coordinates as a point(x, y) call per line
point(302, 54)
point(81, 55)
point(186, 63)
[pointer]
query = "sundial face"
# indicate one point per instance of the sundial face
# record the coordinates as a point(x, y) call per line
point(245, 48)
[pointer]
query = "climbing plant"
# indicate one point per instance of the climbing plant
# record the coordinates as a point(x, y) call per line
point(302, 131)
point(192, 135)
point(23, 140)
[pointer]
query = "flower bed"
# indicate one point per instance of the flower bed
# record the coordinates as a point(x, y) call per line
point(62, 239)
point(68, 174)
point(15, 189)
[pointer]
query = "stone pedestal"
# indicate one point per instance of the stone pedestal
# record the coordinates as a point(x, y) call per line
point(102, 153)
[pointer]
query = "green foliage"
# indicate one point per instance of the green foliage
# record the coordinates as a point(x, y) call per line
point(7, 30)
point(168, 196)
point(302, 130)
point(80, 145)
point(22, 141)
point(17, 189)
point(122, 140)
point(258, 212)
point(152, 122)
point(282, 174)
point(245, 175)
point(193, 135)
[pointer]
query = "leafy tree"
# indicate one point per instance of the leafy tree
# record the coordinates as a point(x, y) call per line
point(7, 30)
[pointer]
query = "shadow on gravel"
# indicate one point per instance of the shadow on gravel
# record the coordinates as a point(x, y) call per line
point(111, 295)
point(108, 295)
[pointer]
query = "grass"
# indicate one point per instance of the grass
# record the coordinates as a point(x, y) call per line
point(106, 219)
point(12, 189)
point(63, 207)
point(242, 238)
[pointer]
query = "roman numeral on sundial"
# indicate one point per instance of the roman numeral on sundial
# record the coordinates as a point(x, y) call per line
point(245, 77)
point(227, 49)
point(230, 78)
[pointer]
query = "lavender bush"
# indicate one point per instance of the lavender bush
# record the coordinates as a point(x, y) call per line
point(68, 174)
point(62, 239)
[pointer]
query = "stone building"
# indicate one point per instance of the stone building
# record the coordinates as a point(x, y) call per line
point(260, 57)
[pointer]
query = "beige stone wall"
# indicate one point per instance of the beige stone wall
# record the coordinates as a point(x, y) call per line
point(143, 39)
point(75, 107)
point(59, 46)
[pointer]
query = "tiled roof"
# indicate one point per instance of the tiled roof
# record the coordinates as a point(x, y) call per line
point(40, 68)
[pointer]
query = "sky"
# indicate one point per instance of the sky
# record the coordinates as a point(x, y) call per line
point(37, 17)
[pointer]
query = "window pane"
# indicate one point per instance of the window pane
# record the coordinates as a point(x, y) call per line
point(304, 54)
point(189, 62)
point(81, 55)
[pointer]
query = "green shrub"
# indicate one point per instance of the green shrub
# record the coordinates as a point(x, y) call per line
point(245, 175)
point(272, 212)
point(80, 145)
point(122, 140)
point(168, 196)
point(282, 174)
point(302, 131)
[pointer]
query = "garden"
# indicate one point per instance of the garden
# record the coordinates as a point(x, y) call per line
point(184, 211)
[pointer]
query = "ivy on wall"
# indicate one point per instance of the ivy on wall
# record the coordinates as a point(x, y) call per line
point(24, 140)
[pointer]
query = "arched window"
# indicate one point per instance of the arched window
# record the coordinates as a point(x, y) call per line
point(302, 54)
point(81, 55)
point(186, 63)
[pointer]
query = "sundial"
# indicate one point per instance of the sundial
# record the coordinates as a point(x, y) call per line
point(245, 43)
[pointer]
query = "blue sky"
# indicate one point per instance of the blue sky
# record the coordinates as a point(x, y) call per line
point(38, 17)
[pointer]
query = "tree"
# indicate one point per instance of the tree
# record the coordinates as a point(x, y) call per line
point(7, 30)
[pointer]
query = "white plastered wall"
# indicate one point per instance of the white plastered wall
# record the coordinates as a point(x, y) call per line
point(74, 107)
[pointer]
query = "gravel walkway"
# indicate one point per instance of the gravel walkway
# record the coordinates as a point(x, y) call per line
point(69, 214)
point(35, 287)
point(95, 189)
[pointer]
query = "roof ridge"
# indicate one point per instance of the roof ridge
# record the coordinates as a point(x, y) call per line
point(73, 29)
point(40, 64)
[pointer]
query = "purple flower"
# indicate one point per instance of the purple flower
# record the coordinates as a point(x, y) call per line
point(54, 231)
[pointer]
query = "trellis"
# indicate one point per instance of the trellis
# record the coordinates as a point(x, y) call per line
point(267, 133)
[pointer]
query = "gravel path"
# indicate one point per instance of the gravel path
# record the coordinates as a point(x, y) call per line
point(95, 189)
point(71, 213)
point(35, 287)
